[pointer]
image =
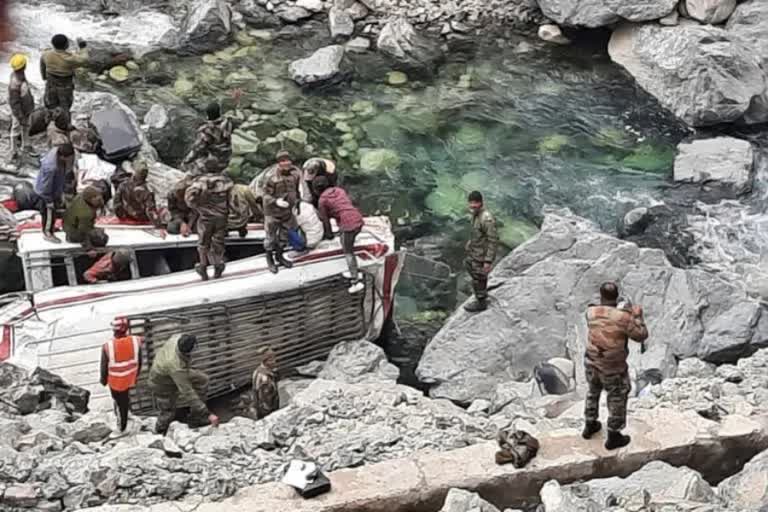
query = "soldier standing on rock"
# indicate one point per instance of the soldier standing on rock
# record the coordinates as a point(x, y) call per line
point(264, 396)
point(209, 195)
point(57, 67)
point(610, 327)
point(280, 197)
point(213, 142)
point(481, 251)
point(22, 105)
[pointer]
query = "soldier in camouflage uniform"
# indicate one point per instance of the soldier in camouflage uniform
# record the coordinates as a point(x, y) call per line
point(481, 251)
point(280, 195)
point(208, 196)
point(213, 142)
point(133, 199)
point(174, 382)
point(610, 327)
point(264, 396)
point(183, 218)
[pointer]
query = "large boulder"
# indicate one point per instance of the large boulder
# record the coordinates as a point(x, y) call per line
point(724, 160)
point(358, 361)
point(704, 75)
point(410, 50)
point(750, 22)
point(538, 311)
point(748, 489)
point(320, 68)
point(709, 11)
point(171, 131)
point(23, 392)
point(579, 13)
point(206, 27)
point(642, 10)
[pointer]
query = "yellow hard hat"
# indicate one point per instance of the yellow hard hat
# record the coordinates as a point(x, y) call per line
point(18, 62)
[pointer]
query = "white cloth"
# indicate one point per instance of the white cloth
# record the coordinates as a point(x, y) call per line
point(92, 169)
point(310, 224)
point(299, 474)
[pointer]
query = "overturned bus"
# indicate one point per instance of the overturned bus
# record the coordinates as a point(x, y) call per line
point(60, 323)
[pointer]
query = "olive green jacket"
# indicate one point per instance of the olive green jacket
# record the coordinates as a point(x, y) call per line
point(61, 63)
point(484, 238)
point(170, 373)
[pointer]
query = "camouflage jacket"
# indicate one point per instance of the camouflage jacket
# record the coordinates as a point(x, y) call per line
point(20, 99)
point(170, 372)
point(265, 398)
point(214, 139)
point(610, 328)
point(484, 238)
point(278, 185)
point(208, 195)
point(177, 205)
point(242, 206)
point(137, 202)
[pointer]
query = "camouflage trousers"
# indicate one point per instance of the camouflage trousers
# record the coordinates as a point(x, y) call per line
point(59, 92)
point(479, 278)
point(212, 234)
point(276, 231)
point(617, 386)
point(168, 400)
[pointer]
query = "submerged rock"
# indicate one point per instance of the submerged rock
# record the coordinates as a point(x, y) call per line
point(379, 160)
point(538, 312)
point(704, 75)
point(723, 159)
point(321, 67)
point(409, 49)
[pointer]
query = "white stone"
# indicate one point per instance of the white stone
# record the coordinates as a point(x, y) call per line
point(724, 159)
point(358, 45)
point(311, 5)
point(671, 19)
point(552, 34)
point(710, 11)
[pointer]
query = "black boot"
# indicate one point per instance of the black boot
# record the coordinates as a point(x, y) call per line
point(202, 271)
point(242, 232)
point(616, 440)
point(271, 262)
point(591, 428)
point(218, 270)
point(281, 259)
point(476, 306)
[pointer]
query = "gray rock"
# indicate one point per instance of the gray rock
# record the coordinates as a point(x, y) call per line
point(358, 45)
point(459, 500)
point(207, 27)
point(552, 34)
point(293, 14)
point(729, 373)
point(20, 495)
point(311, 5)
point(358, 361)
point(357, 11)
point(340, 23)
point(642, 10)
point(671, 20)
point(321, 67)
point(710, 11)
point(694, 367)
point(746, 490)
point(704, 75)
point(472, 354)
point(723, 159)
point(91, 428)
point(479, 407)
point(750, 22)
point(11, 430)
point(171, 131)
point(582, 13)
point(409, 49)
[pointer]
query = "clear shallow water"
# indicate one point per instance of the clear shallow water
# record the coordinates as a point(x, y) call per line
point(529, 125)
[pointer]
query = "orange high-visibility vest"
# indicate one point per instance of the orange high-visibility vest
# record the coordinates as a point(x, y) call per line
point(123, 355)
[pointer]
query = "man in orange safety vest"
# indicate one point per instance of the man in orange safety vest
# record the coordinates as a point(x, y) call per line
point(120, 368)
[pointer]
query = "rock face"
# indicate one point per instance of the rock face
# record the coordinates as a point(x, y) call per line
point(538, 312)
point(748, 490)
point(704, 75)
point(358, 361)
point(320, 68)
point(642, 10)
point(710, 11)
point(750, 22)
point(579, 13)
point(207, 27)
point(723, 159)
point(409, 49)
point(459, 500)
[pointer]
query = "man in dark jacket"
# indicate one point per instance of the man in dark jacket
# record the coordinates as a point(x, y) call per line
point(334, 203)
point(49, 187)
point(610, 327)
point(80, 220)
point(113, 266)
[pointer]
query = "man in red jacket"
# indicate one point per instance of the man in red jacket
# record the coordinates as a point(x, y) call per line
point(109, 267)
point(334, 203)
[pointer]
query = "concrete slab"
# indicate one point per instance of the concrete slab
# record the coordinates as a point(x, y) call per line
point(420, 483)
